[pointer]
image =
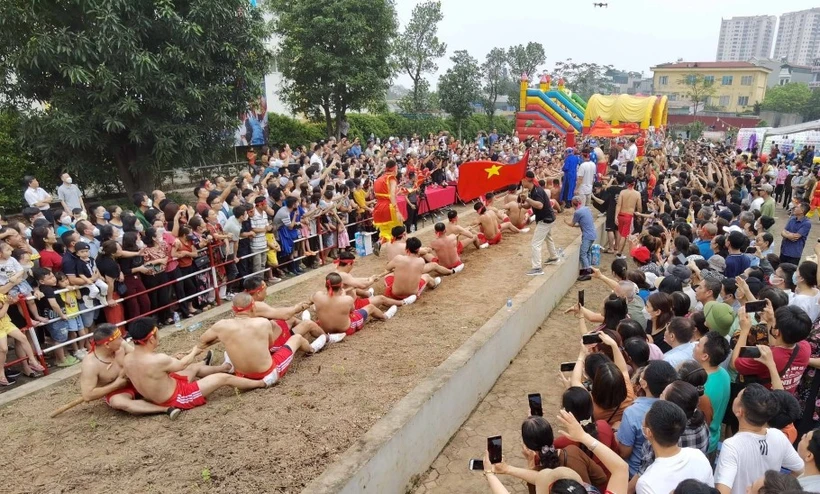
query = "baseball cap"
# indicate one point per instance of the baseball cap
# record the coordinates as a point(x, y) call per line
point(81, 246)
point(765, 187)
point(717, 263)
point(682, 273)
point(725, 214)
point(640, 254)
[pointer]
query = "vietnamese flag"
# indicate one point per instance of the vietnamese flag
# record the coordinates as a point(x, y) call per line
point(476, 178)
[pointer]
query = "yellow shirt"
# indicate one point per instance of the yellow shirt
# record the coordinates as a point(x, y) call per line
point(359, 196)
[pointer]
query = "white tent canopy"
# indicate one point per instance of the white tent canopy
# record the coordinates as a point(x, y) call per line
point(793, 129)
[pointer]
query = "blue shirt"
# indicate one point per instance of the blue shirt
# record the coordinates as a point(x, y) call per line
point(493, 138)
point(736, 264)
point(794, 248)
point(705, 248)
point(583, 218)
point(679, 354)
point(631, 432)
point(355, 151)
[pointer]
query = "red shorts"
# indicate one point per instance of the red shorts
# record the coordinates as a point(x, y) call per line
point(388, 292)
point(361, 303)
point(280, 362)
point(186, 396)
point(459, 248)
point(129, 389)
point(457, 264)
point(357, 319)
point(492, 241)
point(506, 219)
point(283, 337)
point(624, 224)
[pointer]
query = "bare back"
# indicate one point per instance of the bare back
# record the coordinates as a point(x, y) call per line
point(489, 224)
point(149, 374)
point(446, 250)
point(393, 249)
point(407, 271)
point(630, 200)
point(247, 340)
point(457, 230)
point(333, 312)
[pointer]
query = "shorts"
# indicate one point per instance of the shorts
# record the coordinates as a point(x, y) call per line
point(459, 248)
point(58, 331)
point(75, 323)
point(506, 220)
point(186, 395)
point(357, 320)
point(283, 337)
point(280, 363)
point(388, 292)
point(482, 239)
point(129, 389)
point(88, 317)
point(624, 224)
point(6, 326)
point(22, 288)
point(457, 264)
point(361, 303)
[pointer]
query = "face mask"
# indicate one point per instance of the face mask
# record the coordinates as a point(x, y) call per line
point(69, 180)
point(160, 231)
point(65, 220)
point(139, 227)
point(775, 280)
point(140, 244)
point(794, 278)
point(720, 299)
point(150, 202)
point(95, 232)
point(106, 216)
point(646, 314)
point(28, 232)
point(83, 215)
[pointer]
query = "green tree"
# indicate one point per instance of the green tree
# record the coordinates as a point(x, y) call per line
point(16, 162)
point(334, 54)
point(494, 75)
point(525, 59)
point(416, 50)
point(583, 79)
point(460, 87)
point(698, 90)
point(811, 110)
point(788, 98)
point(131, 85)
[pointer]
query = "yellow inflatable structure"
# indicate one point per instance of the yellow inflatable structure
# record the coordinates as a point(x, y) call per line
point(622, 108)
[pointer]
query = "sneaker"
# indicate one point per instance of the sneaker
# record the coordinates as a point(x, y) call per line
point(271, 379)
point(12, 374)
point(438, 280)
point(228, 297)
point(484, 245)
point(275, 279)
point(335, 337)
point(318, 343)
point(68, 362)
point(409, 300)
point(525, 230)
point(208, 357)
point(535, 272)
point(306, 315)
point(551, 260)
point(458, 269)
point(584, 277)
point(80, 354)
point(173, 413)
point(88, 301)
point(371, 291)
point(389, 313)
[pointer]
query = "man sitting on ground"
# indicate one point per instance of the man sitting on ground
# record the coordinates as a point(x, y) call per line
point(517, 210)
point(336, 311)
point(453, 228)
point(408, 277)
point(285, 318)
point(167, 381)
point(446, 248)
point(398, 246)
point(257, 351)
point(102, 375)
point(363, 286)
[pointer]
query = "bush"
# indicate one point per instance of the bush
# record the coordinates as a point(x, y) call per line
point(16, 162)
point(282, 129)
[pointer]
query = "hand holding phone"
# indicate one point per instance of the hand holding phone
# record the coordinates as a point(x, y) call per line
point(591, 339)
point(581, 298)
point(756, 306)
point(494, 448)
point(749, 352)
point(476, 464)
point(567, 366)
point(534, 400)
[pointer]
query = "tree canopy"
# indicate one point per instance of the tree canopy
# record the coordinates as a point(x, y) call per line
point(416, 50)
point(698, 89)
point(525, 59)
point(460, 86)
point(494, 77)
point(132, 84)
point(788, 98)
point(584, 79)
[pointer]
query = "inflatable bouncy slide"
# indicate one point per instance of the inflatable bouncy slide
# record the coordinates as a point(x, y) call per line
point(618, 109)
point(548, 108)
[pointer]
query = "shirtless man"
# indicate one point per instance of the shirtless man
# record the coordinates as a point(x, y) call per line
point(629, 202)
point(398, 245)
point(489, 199)
point(259, 349)
point(102, 375)
point(446, 248)
point(408, 277)
point(487, 221)
point(284, 318)
point(167, 381)
point(453, 228)
point(336, 311)
point(517, 211)
point(362, 287)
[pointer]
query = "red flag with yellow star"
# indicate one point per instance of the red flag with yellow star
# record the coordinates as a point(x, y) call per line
point(476, 178)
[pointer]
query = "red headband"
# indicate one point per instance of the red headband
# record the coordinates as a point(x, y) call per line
point(439, 234)
point(147, 337)
point(116, 334)
point(344, 262)
point(239, 310)
point(454, 220)
point(331, 288)
point(257, 289)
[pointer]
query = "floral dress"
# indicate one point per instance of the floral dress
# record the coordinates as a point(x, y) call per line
point(809, 385)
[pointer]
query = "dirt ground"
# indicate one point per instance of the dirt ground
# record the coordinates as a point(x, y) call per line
point(273, 440)
point(534, 370)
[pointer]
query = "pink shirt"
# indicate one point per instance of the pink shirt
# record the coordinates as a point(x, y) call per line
point(170, 240)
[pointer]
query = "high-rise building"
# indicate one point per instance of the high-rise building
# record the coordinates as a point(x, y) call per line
point(798, 38)
point(742, 38)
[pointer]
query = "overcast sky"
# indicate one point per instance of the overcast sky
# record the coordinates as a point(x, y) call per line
point(629, 34)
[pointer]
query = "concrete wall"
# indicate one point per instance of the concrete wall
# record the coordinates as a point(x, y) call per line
point(404, 443)
point(778, 119)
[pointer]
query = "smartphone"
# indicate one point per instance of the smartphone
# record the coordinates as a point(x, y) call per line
point(567, 366)
point(494, 448)
point(591, 338)
point(756, 306)
point(476, 464)
point(581, 298)
point(535, 404)
point(750, 352)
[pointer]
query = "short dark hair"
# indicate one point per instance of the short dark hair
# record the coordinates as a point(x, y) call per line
point(814, 446)
point(667, 421)
point(439, 227)
point(397, 231)
point(252, 283)
point(793, 323)
point(775, 295)
point(238, 211)
point(658, 375)
point(638, 350)
point(413, 245)
point(630, 328)
point(683, 328)
point(759, 405)
point(713, 286)
point(737, 239)
point(716, 347)
point(788, 409)
point(141, 327)
point(138, 198)
point(692, 486)
point(40, 273)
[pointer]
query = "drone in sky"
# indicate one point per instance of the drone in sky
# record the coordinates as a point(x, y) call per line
point(600, 5)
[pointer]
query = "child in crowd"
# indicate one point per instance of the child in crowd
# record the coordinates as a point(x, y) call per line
point(12, 271)
point(8, 329)
point(98, 288)
point(53, 306)
point(273, 260)
point(71, 314)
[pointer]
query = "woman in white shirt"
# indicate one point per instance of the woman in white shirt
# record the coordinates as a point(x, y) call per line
point(806, 294)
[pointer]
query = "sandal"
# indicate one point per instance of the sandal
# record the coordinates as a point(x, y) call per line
point(5, 382)
point(36, 367)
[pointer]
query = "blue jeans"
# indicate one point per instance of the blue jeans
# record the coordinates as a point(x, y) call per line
point(586, 253)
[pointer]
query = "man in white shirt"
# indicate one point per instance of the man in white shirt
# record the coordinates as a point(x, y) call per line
point(756, 448)
point(631, 155)
point(316, 157)
point(586, 177)
point(679, 336)
point(664, 424)
point(38, 198)
point(69, 194)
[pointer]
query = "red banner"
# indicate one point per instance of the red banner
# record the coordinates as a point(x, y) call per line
point(476, 178)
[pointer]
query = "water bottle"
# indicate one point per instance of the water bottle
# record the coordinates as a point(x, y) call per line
point(177, 323)
point(509, 305)
point(194, 327)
